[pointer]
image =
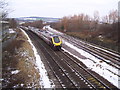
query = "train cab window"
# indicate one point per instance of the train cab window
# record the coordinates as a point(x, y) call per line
point(56, 39)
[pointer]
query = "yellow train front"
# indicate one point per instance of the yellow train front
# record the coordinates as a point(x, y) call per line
point(56, 42)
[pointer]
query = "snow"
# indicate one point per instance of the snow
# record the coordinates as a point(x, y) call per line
point(15, 72)
point(11, 31)
point(52, 30)
point(45, 82)
point(1, 79)
point(22, 85)
point(93, 63)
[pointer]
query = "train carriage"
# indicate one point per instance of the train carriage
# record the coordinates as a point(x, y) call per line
point(53, 40)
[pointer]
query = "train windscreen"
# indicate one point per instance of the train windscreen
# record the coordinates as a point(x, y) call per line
point(56, 39)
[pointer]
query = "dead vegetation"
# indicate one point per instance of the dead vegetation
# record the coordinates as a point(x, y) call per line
point(18, 56)
point(93, 30)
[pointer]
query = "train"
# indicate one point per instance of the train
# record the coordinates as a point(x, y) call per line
point(53, 40)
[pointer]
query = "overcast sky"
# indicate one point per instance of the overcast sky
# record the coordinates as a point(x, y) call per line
point(60, 8)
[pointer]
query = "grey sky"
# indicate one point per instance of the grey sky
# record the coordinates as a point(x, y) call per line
point(60, 8)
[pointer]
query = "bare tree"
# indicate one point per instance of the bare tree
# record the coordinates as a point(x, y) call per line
point(96, 16)
point(113, 16)
point(3, 10)
point(12, 23)
point(105, 19)
point(65, 23)
point(3, 3)
point(96, 19)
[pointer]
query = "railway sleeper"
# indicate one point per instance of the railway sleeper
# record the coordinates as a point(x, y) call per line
point(95, 82)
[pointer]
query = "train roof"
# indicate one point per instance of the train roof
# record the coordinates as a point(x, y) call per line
point(54, 35)
point(48, 34)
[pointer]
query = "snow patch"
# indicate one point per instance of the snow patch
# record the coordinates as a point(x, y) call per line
point(52, 30)
point(11, 31)
point(15, 72)
point(22, 85)
point(1, 79)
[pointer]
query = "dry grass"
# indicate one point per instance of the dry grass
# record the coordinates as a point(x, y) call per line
point(78, 34)
point(105, 42)
point(18, 55)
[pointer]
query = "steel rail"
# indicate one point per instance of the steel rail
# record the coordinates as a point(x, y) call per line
point(107, 87)
point(116, 63)
point(70, 81)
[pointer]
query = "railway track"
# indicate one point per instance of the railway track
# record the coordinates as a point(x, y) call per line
point(68, 72)
point(108, 57)
point(64, 81)
point(108, 52)
point(85, 73)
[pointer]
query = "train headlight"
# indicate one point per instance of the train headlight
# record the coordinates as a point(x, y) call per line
point(54, 45)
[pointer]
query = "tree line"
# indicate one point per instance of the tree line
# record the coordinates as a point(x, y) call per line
point(98, 30)
point(38, 24)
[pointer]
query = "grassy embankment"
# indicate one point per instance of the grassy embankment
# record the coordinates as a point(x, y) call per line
point(18, 56)
point(105, 42)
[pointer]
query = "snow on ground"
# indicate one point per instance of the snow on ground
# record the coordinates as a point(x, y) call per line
point(15, 72)
point(96, 65)
point(45, 82)
point(11, 31)
point(52, 30)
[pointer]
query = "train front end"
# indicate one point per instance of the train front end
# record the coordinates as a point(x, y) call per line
point(57, 42)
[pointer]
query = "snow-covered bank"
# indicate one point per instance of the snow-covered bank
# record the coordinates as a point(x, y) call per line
point(103, 69)
point(45, 82)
